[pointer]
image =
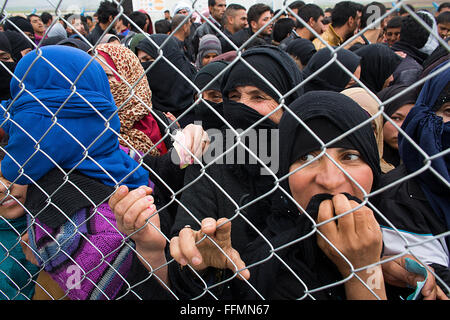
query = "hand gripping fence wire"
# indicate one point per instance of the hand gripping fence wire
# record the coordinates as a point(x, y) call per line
point(207, 288)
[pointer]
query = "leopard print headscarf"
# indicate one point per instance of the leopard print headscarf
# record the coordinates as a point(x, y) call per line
point(129, 67)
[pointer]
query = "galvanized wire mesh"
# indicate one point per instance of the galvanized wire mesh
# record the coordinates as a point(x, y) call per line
point(79, 275)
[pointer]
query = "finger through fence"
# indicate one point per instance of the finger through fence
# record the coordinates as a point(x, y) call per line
point(210, 161)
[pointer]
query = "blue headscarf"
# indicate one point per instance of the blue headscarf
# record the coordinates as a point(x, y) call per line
point(84, 123)
point(432, 135)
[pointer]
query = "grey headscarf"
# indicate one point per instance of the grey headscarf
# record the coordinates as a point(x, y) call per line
point(208, 43)
point(57, 30)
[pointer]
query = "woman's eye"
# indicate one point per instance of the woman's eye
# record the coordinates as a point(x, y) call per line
point(259, 98)
point(307, 157)
point(352, 156)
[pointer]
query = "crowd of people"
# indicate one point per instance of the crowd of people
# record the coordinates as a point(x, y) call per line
point(106, 122)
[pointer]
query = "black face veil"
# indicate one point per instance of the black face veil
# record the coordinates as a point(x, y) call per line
point(329, 115)
point(275, 67)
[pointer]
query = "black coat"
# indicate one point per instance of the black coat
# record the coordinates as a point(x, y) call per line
point(407, 208)
point(96, 34)
point(218, 193)
point(285, 42)
point(409, 70)
point(204, 198)
point(240, 37)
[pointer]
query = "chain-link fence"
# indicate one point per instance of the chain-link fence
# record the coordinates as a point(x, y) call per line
point(76, 126)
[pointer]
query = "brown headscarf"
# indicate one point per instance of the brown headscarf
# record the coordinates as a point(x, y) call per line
point(131, 111)
point(365, 100)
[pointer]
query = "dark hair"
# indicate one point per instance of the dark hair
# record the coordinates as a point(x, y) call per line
point(327, 19)
point(395, 22)
point(177, 20)
point(282, 28)
point(255, 11)
point(211, 3)
point(307, 12)
point(367, 12)
point(296, 5)
point(46, 17)
point(443, 17)
point(359, 6)
point(443, 6)
point(32, 15)
point(124, 20)
point(234, 7)
point(342, 11)
point(413, 32)
point(21, 23)
point(88, 18)
point(139, 19)
point(162, 26)
point(403, 10)
point(105, 10)
point(68, 15)
point(230, 10)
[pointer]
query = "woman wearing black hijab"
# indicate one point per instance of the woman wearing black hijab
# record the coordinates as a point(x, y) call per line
point(297, 261)
point(301, 50)
point(397, 110)
point(20, 23)
point(247, 102)
point(9, 63)
point(419, 207)
point(207, 111)
point(291, 259)
point(226, 184)
point(378, 63)
point(171, 92)
point(20, 45)
point(333, 77)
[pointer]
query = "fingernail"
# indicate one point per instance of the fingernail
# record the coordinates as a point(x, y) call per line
point(208, 224)
point(183, 262)
point(150, 198)
point(141, 191)
point(196, 261)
